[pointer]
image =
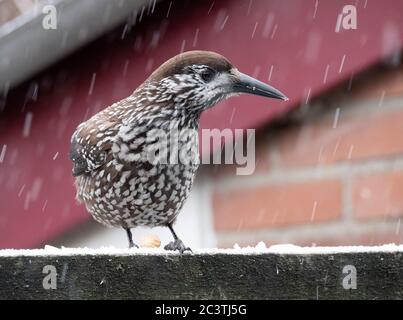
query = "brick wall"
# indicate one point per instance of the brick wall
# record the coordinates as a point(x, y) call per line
point(329, 174)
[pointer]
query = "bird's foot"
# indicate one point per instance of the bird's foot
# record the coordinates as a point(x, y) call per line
point(177, 245)
point(130, 239)
point(133, 245)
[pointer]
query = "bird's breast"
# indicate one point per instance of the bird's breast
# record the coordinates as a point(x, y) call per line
point(136, 194)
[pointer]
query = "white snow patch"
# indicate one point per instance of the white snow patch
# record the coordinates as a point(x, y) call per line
point(293, 249)
point(260, 248)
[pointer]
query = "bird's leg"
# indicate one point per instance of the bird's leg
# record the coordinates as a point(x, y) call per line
point(177, 244)
point(130, 238)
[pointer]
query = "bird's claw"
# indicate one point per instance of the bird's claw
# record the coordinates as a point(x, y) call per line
point(177, 245)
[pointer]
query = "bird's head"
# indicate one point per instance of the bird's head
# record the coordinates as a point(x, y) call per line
point(200, 79)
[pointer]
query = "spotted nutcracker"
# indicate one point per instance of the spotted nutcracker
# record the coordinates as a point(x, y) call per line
point(118, 184)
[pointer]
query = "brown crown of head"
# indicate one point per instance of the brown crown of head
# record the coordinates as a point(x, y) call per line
point(177, 64)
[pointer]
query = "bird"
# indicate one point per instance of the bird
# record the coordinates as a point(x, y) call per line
point(115, 177)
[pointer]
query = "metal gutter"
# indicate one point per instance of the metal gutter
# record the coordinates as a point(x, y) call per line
point(26, 47)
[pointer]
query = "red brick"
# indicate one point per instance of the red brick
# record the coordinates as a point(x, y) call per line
point(378, 196)
point(277, 205)
point(356, 138)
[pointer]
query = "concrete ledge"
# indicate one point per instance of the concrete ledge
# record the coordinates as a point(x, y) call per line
point(278, 272)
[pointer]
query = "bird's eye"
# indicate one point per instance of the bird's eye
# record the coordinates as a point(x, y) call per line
point(207, 75)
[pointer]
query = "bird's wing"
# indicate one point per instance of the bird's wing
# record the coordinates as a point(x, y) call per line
point(90, 145)
point(130, 141)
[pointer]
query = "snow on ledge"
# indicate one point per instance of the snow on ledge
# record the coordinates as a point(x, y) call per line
point(237, 250)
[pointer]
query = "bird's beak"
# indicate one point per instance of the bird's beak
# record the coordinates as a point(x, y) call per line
point(247, 84)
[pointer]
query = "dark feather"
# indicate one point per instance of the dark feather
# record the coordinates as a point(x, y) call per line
point(85, 153)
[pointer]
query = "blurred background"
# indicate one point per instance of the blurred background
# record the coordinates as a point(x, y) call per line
point(329, 162)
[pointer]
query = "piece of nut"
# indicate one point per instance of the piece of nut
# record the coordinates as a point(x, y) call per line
point(150, 241)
